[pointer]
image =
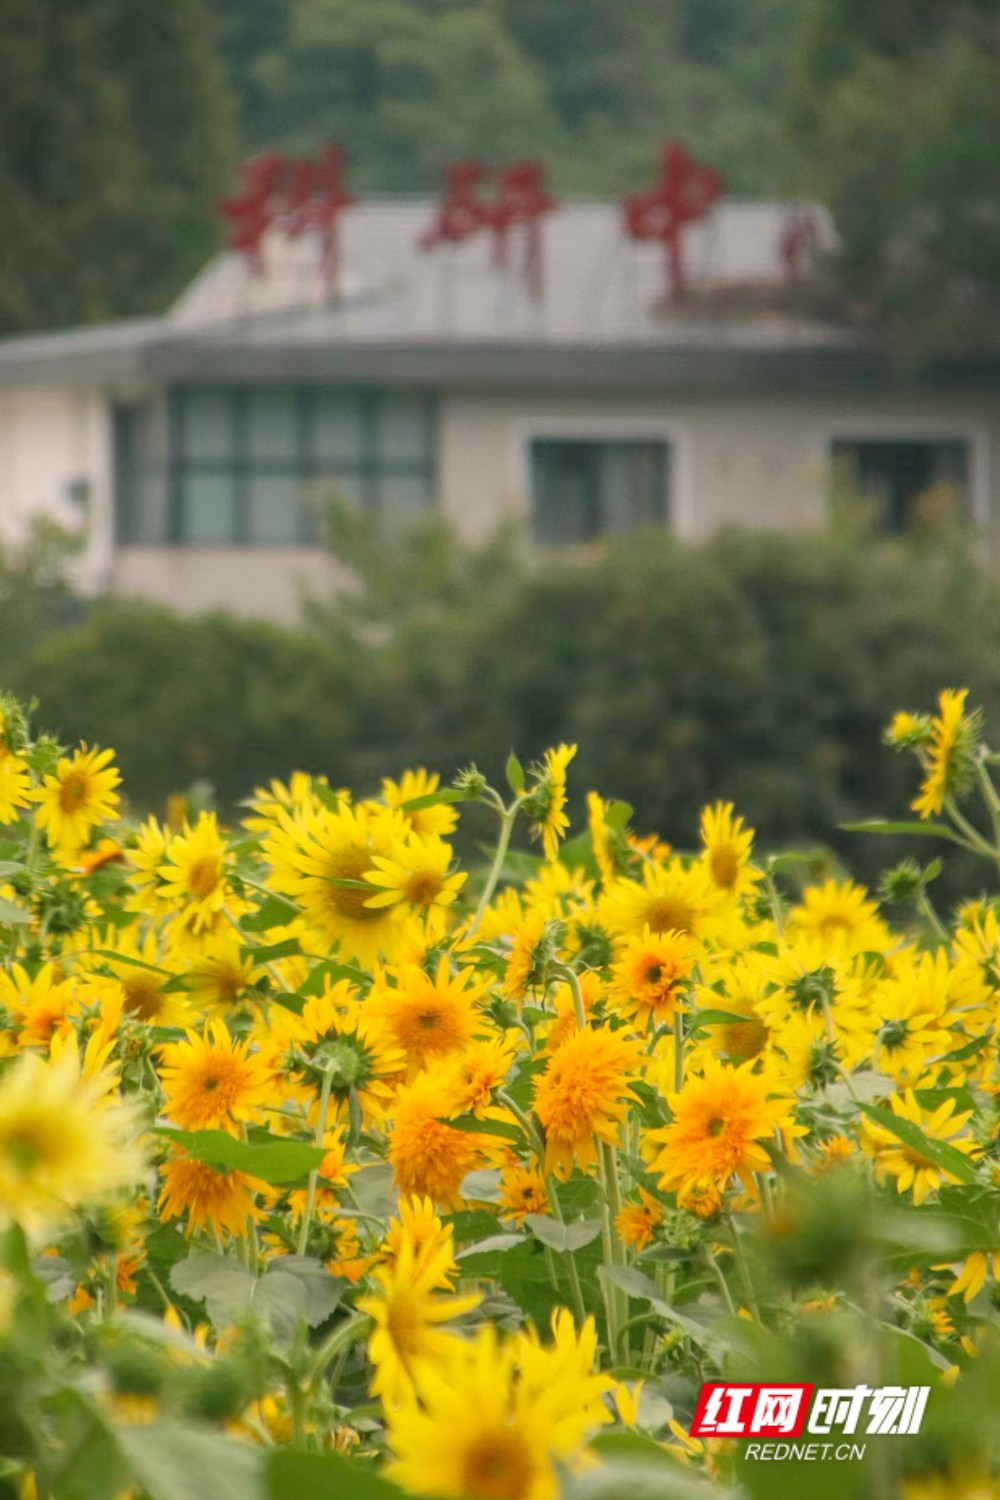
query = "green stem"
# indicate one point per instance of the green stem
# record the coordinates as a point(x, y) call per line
point(776, 907)
point(534, 1140)
point(744, 1269)
point(927, 911)
point(320, 1132)
point(574, 1275)
point(613, 1249)
point(507, 822)
point(573, 980)
point(720, 1276)
point(972, 834)
point(678, 1051)
point(352, 1331)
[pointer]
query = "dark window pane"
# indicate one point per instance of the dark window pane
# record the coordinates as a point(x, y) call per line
point(207, 508)
point(906, 480)
point(583, 490)
point(273, 509)
point(339, 428)
point(272, 426)
point(207, 427)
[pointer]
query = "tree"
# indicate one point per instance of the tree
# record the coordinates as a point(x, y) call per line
point(898, 111)
point(114, 142)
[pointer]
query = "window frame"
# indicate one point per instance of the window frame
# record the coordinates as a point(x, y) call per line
point(908, 429)
point(307, 464)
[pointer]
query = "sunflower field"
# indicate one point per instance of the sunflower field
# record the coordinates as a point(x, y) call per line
point(330, 1170)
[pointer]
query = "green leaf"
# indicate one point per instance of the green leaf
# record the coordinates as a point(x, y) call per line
point(631, 1281)
point(719, 1018)
point(11, 915)
point(495, 1243)
point(515, 773)
point(293, 1291)
point(172, 1462)
point(939, 1153)
point(482, 1186)
point(279, 1162)
point(285, 949)
point(879, 825)
point(509, 1132)
point(322, 1476)
point(436, 799)
point(274, 911)
point(562, 1237)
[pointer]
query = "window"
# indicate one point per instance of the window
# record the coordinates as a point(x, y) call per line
point(583, 490)
point(905, 480)
point(224, 465)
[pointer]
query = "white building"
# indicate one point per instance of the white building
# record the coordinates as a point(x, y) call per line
point(196, 449)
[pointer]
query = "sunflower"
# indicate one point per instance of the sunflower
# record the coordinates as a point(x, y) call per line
point(914, 1012)
point(418, 876)
point(15, 785)
point(146, 856)
point(211, 1082)
point(419, 1226)
point(648, 979)
point(336, 1032)
point(472, 1077)
point(813, 1060)
point(294, 795)
point(438, 819)
point(547, 801)
point(910, 1168)
point(522, 1191)
point(77, 797)
point(839, 916)
point(216, 1200)
point(720, 1120)
point(726, 843)
point(531, 951)
point(638, 1222)
point(583, 1095)
point(321, 859)
point(40, 1007)
point(66, 1140)
point(138, 969)
point(193, 873)
point(949, 759)
point(426, 1017)
point(429, 1157)
point(487, 1431)
point(221, 977)
point(406, 1310)
point(670, 897)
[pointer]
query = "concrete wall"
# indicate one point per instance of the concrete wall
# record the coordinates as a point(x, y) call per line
point(264, 582)
point(51, 441)
point(760, 462)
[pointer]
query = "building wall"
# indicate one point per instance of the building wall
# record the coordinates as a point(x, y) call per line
point(755, 461)
point(761, 462)
point(54, 444)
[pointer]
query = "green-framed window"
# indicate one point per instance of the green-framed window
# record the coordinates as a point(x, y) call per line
point(905, 479)
point(251, 465)
point(582, 489)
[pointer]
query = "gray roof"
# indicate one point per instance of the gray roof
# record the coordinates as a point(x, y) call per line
point(452, 318)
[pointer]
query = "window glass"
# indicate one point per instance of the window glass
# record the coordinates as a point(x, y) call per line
point(403, 429)
point(339, 428)
point(272, 426)
point(206, 422)
point(583, 490)
point(273, 509)
point(206, 508)
point(906, 482)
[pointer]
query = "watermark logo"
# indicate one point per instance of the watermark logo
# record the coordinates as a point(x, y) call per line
point(728, 1410)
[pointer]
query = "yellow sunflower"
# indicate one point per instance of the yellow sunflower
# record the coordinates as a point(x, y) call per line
point(426, 1017)
point(211, 1082)
point(522, 1191)
point(648, 979)
point(670, 897)
point(406, 1310)
point(638, 1222)
point(321, 858)
point(839, 916)
point(439, 819)
point(217, 1200)
point(583, 1096)
point(66, 1140)
point(41, 1006)
point(910, 1168)
point(15, 785)
point(949, 758)
point(419, 876)
point(194, 873)
point(726, 842)
point(429, 1157)
point(547, 802)
point(720, 1120)
point(79, 795)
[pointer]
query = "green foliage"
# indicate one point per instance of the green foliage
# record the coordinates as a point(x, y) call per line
point(114, 142)
point(591, 85)
point(898, 109)
point(759, 668)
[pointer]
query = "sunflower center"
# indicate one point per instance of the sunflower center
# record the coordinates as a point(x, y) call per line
point(725, 866)
point(497, 1467)
point(30, 1145)
point(142, 996)
point(716, 1125)
point(348, 901)
point(423, 888)
point(654, 973)
point(403, 1324)
point(428, 1020)
point(669, 914)
point(203, 876)
point(73, 791)
point(744, 1039)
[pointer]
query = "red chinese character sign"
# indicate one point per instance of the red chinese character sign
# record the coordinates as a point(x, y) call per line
point(519, 198)
point(295, 195)
point(684, 192)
